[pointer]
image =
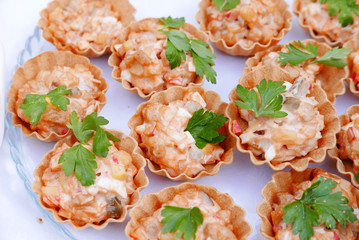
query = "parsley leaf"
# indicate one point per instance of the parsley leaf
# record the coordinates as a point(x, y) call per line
point(178, 44)
point(202, 59)
point(318, 206)
point(357, 176)
point(335, 57)
point(35, 105)
point(173, 23)
point(296, 56)
point(344, 8)
point(183, 221)
point(82, 161)
point(203, 127)
point(226, 4)
point(270, 99)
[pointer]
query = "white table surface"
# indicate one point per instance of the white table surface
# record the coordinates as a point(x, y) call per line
point(19, 214)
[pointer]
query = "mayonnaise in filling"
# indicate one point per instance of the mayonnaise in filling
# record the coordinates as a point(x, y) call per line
point(167, 144)
point(283, 139)
point(285, 232)
point(104, 199)
point(86, 24)
point(216, 221)
point(317, 17)
point(251, 21)
point(84, 98)
point(348, 142)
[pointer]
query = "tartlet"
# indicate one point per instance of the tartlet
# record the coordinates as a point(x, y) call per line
point(150, 203)
point(46, 72)
point(126, 166)
point(165, 142)
point(299, 162)
point(102, 22)
point(139, 59)
point(314, 18)
point(331, 79)
point(279, 191)
point(353, 64)
point(235, 41)
point(344, 153)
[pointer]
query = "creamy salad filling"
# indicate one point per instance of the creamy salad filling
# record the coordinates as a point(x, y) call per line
point(167, 144)
point(285, 232)
point(83, 99)
point(86, 24)
point(216, 221)
point(144, 63)
point(104, 199)
point(316, 16)
point(348, 141)
point(283, 139)
point(354, 57)
point(251, 21)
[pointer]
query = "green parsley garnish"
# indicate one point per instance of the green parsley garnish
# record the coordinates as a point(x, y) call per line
point(344, 8)
point(203, 127)
point(178, 44)
point(271, 100)
point(35, 105)
point(80, 159)
point(181, 221)
point(173, 23)
point(226, 4)
point(317, 206)
point(335, 57)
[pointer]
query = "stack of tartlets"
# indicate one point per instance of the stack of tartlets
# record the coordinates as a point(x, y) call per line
point(93, 176)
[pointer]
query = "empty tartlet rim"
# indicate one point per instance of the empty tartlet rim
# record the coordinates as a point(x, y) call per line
point(325, 108)
point(310, 30)
point(46, 61)
point(214, 103)
point(237, 49)
point(282, 182)
point(115, 60)
point(127, 16)
point(128, 144)
point(257, 58)
point(345, 166)
point(353, 44)
point(151, 202)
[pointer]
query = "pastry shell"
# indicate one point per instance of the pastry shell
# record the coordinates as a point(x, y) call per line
point(123, 6)
point(214, 103)
point(353, 44)
point(115, 60)
point(310, 30)
point(127, 144)
point(153, 201)
point(238, 49)
point(283, 182)
point(331, 78)
point(345, 166)
point(331, 122)
point(29, 71)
